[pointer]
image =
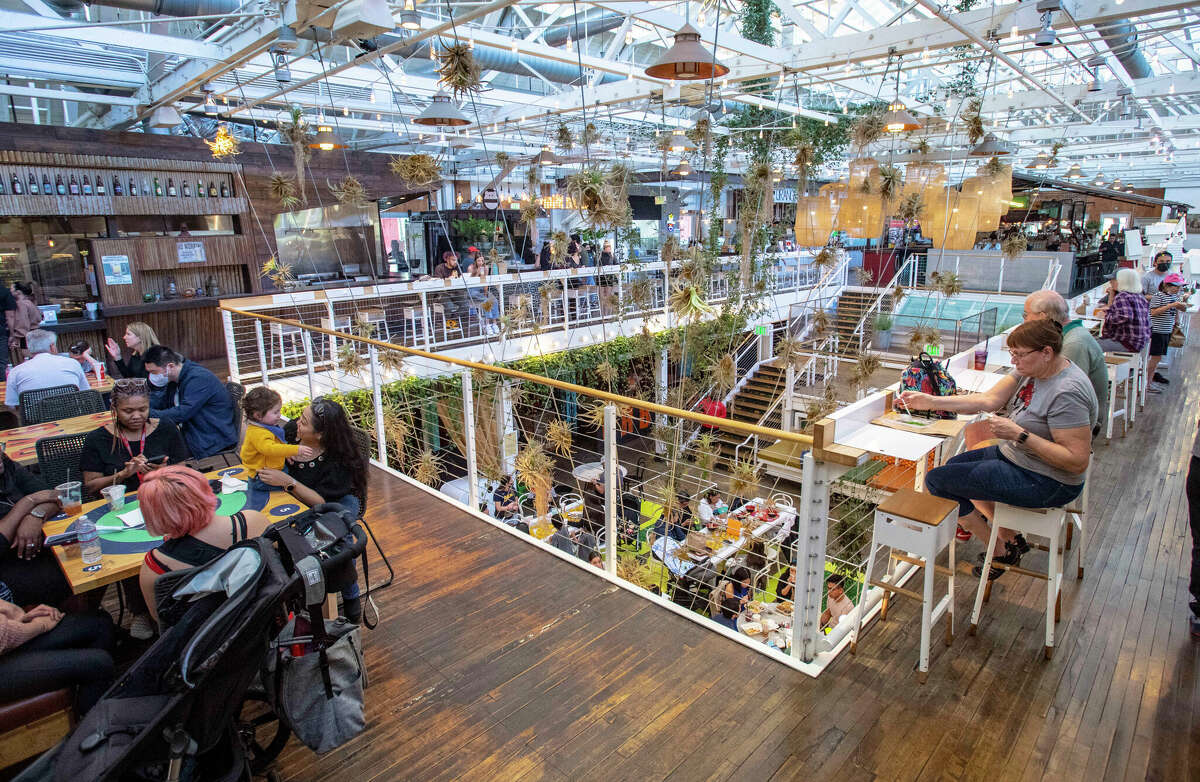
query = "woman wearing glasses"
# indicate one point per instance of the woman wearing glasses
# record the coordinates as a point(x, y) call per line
point(1045, 435)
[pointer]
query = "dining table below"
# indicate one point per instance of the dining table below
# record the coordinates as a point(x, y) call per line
point(667, 549)
point(21, 443)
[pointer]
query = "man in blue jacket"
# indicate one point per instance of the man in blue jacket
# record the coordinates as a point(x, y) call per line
point(194, 399)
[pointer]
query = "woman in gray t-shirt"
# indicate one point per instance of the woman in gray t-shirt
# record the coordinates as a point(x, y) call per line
point(1045, 438)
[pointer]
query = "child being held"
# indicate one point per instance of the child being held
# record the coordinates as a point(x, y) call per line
point(264, 447)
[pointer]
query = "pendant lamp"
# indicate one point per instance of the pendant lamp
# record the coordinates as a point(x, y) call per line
point(680, 143)
point(687, 59)
point(1041, 161)
point(991, 147)
point(441, 112)
point(545, 157)
point(683, 169)
point(409, 18)
point(1074, 172)
point(326, 139)
point(897, 119)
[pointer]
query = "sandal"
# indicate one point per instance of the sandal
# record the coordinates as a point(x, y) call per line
point(1011, 556)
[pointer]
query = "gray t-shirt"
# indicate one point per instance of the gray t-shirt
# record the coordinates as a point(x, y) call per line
point(1151, 280)
point(1085, 352)
point(1064, 401)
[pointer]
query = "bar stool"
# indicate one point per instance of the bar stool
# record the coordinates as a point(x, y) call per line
point(554, 304)
point(336, 323)
point(1077, 519)
point(718, 286)
point(375, 317)
point(412, 317)
point(1121, 370)
point(440, 309)
point(581, 297)
point(1043, 522)
point(295, 341)
point(922, 526)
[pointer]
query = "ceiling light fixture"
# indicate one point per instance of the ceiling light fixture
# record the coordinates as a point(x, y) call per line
point(1074, 172)
point(326, 140)
point(683, 169)
point(210, 106)
point(679, 142)
point(545, 157)
point(1046, 36)
point(991, 147)
point(1041, 161)
point(441, 112)
point(687, 59)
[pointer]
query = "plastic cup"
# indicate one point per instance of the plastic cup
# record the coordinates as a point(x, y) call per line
point(70, 494)
point(981, 359)
point(115, 496)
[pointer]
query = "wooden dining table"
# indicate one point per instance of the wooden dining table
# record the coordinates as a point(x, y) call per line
point(103, 386)
point(123, 549)
point(21, 443)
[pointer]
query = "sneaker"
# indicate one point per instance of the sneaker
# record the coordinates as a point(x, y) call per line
point(962, 534)
point(142, 627)
point(1160, 379)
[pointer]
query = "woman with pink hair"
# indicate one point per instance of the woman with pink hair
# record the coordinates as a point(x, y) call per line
point(178, 504)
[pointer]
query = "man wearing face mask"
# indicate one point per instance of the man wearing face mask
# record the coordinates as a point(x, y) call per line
point(192, 398)
point(1153, 278)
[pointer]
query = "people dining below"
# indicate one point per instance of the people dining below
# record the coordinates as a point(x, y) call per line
point(43, 650)
point(43, 369)
point(732, 595)
point(1165, 306)
point(505, 503)
point(606, 254)
point(1078, 343)
point(193, 399)
point(132, 445)
point(265, 445)
point(1159, 271)
point(1126, 316)
point(837, 603)
point(786, 588)
point(26, 317)
point(448, 268)
point(593, 505)
point(139, 338)
point(179, 506)
point(81, 352)
point(29, 572)
point(710, 506)
point(1045, 435)
point(8, 305)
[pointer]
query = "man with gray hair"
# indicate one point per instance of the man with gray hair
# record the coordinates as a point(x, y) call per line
point(1078, 344)
point(43, 369)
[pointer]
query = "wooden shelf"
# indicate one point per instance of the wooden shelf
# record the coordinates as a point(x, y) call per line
point(99, 206)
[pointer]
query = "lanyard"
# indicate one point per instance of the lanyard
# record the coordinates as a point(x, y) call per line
point(141, 447)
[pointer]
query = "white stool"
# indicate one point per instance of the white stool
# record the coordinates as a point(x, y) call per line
point(718, 286)
point(440, 309)
point(553, 304)
point(1042, 522)
point(336, 323)
point(922, 526)
point(412, 317)
point(1121, 370)
point(375, 317)
point(1077, 519)
point(295, 341)
point(581, 297)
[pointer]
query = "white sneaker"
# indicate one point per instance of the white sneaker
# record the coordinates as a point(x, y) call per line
point(142, 627)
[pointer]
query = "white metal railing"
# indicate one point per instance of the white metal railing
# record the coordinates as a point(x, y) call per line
point(860, 329)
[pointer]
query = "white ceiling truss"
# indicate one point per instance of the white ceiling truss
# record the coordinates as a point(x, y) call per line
point(100, 66)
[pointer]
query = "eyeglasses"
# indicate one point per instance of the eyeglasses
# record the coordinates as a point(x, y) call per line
point(1017, 355)
point(131, 385)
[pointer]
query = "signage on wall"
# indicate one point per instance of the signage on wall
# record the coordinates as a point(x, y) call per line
point(116, 270)
point(191, 252)
point(491, 199)
point(785, 195)
point(558, 201)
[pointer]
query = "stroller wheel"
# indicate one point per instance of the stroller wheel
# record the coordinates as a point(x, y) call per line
point(262, 732)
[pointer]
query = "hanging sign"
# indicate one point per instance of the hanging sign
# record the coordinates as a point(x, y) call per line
point(116, 270)
point(190, 252)
point(491, 199)
point(785, 195)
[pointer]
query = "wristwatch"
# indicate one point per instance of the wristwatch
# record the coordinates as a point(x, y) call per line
point(289, 487)
point(1022, 437)
point(38, 513)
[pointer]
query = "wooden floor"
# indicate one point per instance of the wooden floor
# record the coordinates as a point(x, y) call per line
point(496, 661)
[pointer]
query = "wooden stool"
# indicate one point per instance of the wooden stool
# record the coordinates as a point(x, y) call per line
point(1042, 522)
point(922, 526)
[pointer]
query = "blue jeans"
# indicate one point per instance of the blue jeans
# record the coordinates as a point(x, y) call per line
point(983, 474)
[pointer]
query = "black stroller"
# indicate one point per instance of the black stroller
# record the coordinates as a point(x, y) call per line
point(176, 714)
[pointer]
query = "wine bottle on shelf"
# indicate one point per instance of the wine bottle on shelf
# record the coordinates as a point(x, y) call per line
point(224, 190)
point(171, 191)
point(158, 191)
point(17, 188)
point(33, 185)
point(60, 186)
point(87, 185)
point(117, 190)
point(100, 190)
point(73, 187)
point(187, 189)
point(146, 191)
point(132, 187)
point(212, 189)
point(200, 191)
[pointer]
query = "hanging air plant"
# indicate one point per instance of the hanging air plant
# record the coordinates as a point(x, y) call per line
point(641, 292)
point(1055, 148)
point(279, 273)
point(898, 293)
point(700, 134)
point(558, 244)
point(397, 429)
point(912, 206)
point(391, 361)
point(283, 189)
point(820, 322)
point(826, 258)
point(664, 493)
point(922, 336)
point(669, 250)
point(743, 478)
point(867, 129)
point(349, 192)
point(458, 72)
point(429, 468)
point(607, 372)
point(593, 416)
point(803, 162)
point(535, 469)
point(972, 117)
point(788, 351)
point(350, 361)
point(644, 344)
point(296, 132)
point(1014, 245)
point(922, 147)
point(589, 135)
point(866, 365)
point(415, 171)
point(224, 145)
point(949, 284)
point(865, 276)
point(704, 451)
point(724, 372)
point(502, 158)
point(558, 435)
point(601, 195)
point(818, 409)
point(529, 210)
point(563, 138)
point(682, 394)
point(891, 179)
point(993, 167)
point(687, 303)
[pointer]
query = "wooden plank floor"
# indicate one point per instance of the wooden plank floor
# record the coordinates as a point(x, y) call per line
point(496, 661)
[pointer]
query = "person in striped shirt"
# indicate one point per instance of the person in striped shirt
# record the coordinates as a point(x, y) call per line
point(1165, 306)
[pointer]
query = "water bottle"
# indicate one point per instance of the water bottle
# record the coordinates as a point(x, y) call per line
point(89, 541)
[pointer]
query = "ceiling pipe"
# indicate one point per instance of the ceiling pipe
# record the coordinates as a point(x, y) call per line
point(1122, 41)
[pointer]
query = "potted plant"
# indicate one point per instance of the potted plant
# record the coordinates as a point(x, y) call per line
point(883, 331)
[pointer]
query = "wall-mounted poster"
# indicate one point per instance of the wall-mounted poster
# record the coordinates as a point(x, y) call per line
point(191, 252)
point(116, 270)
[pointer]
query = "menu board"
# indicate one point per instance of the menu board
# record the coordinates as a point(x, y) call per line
point(116, 270)
point(191, 252)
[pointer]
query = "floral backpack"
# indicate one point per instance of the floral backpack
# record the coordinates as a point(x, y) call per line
point(929, 377)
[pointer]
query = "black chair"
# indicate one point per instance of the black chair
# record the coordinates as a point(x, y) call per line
point(56, 408)
point(30, 399)
point(362, 438)
point(58, 459)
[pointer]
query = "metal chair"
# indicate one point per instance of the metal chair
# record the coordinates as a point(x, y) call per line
point(58, 458)
point(362, 439)
point(58, 407)
point(29, 400)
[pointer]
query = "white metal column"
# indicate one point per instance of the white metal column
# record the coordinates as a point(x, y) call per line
point(468, 398)
point(612, 488)
point(377, 403)
point(262, 350)
point(811, 523)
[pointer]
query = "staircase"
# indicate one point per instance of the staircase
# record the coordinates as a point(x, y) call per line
point(749, 404)
point(850, 308)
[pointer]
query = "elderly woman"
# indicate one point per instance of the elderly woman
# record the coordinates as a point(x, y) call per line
point(1045, 433)
point(132, 445)
point(139, 338)
point(179, 505)
point(1126, 316)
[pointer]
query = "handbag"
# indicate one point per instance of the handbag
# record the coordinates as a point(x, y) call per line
point(1178, 338)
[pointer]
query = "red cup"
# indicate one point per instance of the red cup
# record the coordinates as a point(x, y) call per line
point(981, 359)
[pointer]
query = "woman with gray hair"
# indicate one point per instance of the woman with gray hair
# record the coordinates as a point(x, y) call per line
point(1127, 317)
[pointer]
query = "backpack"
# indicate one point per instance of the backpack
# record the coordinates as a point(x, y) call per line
point(929, 377)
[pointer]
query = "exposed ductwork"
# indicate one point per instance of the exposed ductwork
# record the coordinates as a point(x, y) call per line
point(1122, 41)
point(582, 28)
point(159, 7)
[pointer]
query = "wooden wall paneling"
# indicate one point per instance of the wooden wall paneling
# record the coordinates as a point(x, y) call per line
point(195, 332)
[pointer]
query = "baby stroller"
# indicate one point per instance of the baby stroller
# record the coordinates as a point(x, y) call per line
point(174, 715)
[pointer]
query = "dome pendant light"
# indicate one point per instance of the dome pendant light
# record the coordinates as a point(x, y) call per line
point(897, 119)
point(680, 143)
point(991, 147)
point(687, 59)
point(683, 169)
point(326, 140)
point(1074, 172)
point(409, 18)
point(1041, 161)
point(545, 157)
point(441, 112)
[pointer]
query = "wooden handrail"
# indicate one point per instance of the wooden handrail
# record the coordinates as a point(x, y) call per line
point(618, 399)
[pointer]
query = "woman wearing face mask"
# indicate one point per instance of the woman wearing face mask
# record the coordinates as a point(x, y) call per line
point(139, 338)
point(1153, 278)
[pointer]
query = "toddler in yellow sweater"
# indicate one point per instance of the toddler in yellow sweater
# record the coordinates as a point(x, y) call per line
point(263, 447)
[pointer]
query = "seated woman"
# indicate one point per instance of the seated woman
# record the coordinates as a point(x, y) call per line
point(505, 500)
point(785, 589)
point(1126, 317)
point(133, 445)
point(732, 596)
point(42, 650)
point(29, 573)
point(1046, 438)
point(178, 504)
point(139, 338)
